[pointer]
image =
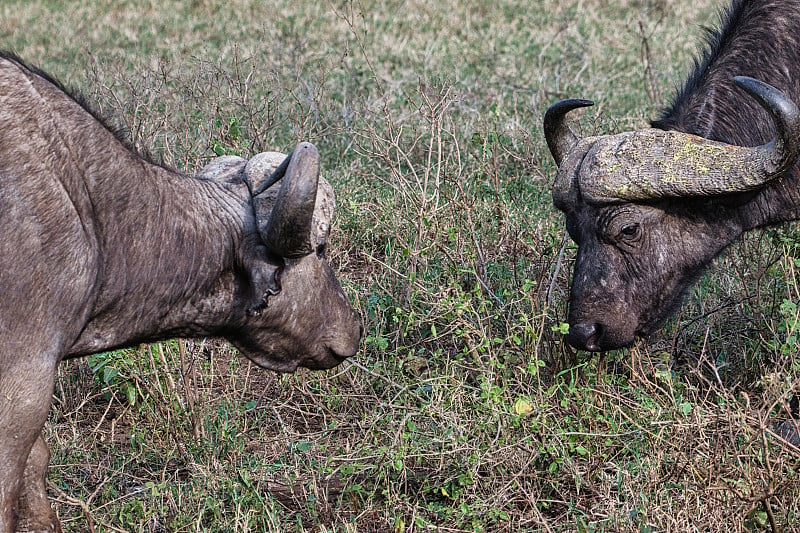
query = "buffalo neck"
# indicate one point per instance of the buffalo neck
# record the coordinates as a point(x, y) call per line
point(167, 257)
point(167, 246)
point(756, 39)
point(160, 250)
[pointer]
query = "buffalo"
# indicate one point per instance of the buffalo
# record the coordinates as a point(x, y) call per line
point(103, 248)
point(650, 209)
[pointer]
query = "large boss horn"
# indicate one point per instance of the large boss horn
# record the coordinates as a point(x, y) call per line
point(651, 164)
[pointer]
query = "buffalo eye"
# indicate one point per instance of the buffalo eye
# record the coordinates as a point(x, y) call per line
point(622, 227)
point(629, 235)
point(629, 231)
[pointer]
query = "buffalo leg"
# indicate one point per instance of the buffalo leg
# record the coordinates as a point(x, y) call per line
point(25, 390)
point(35, 513)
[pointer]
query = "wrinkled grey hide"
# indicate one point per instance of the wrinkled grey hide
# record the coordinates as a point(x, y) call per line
point(102, 249)
point(651, 209)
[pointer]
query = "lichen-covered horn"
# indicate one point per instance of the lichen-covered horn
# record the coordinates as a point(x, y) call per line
point(288, 232)
point(559, 136)
point(650, 164)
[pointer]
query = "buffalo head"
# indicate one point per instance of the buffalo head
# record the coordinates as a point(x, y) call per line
point(293, 311)
point(650, 209)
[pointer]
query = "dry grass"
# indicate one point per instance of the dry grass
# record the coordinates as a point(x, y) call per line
point(464, 410)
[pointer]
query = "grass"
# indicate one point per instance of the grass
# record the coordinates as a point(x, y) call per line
point(464, 409)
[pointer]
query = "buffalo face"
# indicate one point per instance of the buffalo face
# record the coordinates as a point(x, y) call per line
point(634, 263)
point(292, 310)
point(649, 210)
point(308, 322)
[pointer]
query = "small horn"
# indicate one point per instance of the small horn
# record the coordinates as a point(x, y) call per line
point(288, 231)
point(559, 136)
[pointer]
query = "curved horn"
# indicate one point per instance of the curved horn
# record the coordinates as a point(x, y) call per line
point(786, 117)
point(651, 164)
point(560, 138)
point(288, 231)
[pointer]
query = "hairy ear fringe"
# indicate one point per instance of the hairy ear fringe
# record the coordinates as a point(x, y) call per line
point(265, 281)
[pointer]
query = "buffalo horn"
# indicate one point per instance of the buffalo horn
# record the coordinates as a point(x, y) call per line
point(560, 137)
point(784, 150)
point(288, 232)
point(650, 164)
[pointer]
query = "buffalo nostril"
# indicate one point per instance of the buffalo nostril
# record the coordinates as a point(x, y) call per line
point(585, 336)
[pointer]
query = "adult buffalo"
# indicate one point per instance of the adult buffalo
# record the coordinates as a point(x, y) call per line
point(650, 209)
point(102, 249)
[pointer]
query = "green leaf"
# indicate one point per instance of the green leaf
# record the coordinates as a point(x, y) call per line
point(130, 393)
point(109, 373)
point(523, 406)
point(303, 446)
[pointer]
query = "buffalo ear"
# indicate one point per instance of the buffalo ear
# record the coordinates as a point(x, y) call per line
point(265, 281)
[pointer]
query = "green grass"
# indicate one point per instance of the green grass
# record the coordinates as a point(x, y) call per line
point(464, 409)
